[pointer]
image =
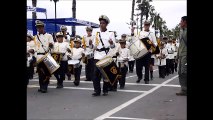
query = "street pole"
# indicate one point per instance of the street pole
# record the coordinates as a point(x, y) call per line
point(55, 17)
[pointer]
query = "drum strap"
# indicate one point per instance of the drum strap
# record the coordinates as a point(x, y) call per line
point(41, 43)
point(106, 51)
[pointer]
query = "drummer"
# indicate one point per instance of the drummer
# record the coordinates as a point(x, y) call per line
point(31, 50)
point(131, 61)
point(65, 33)
point(146, 60)
point(88, 46)
point(43, 42)
point(71, 43)
point(77, 54)
point(61, 48)
point(123, 58)
point(101, 51)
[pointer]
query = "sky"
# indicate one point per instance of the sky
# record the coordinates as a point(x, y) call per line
point(118, 11)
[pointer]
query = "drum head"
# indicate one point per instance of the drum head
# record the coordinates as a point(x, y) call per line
point(104, 62)
point(73, 62)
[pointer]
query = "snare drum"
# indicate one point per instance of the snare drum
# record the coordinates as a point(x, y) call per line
point(48, 64)
point(138, 49)
point(109, 69)
point(72, 64)
point(88, 55)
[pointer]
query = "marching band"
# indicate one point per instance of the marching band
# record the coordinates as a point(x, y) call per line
point(104, 57)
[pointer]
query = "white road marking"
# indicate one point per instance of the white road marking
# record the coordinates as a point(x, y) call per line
point(127, 118)
point(80, 88)
point(35, 77)
point(111, 112)
point(140, 84)
point(170, 85)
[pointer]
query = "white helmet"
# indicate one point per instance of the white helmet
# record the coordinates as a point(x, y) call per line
point(63, 28)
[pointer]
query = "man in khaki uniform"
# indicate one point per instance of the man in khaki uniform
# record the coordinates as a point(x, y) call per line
point(182, 57)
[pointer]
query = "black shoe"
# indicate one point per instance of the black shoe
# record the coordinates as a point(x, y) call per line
point(139, 79)
point(43, 91)
point(96, 94)
point(87, 80)
point(146, 82)
point(76, 83)
point(112, 89)
point(105, 94)
point(182, 93)
point(39, 90)
point(121, 87)
point(59, 86)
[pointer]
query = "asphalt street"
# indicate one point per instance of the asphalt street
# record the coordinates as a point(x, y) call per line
point(137, 101)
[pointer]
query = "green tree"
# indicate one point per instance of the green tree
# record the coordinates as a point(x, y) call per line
point(132, 13)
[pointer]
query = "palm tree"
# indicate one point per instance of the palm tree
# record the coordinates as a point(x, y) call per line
point(132, 14)
point(151, 13)
point(144, 7)
point(73, 15)
point(176, 31)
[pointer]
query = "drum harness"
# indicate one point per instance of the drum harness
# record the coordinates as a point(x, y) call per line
point(41, 43)
point(105, 49)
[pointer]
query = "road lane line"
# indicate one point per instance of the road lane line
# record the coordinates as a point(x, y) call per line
point(127, 118)
point(120, 107)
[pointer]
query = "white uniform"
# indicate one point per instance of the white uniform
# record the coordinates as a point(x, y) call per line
point(87, 39)
point(61, 48)
point(170, 49)
point(77, 53)
point(161, 62)
point(176, 49)
point(105, 36)
point(124, 53)
point(31, 45)
point(45, 39)
point(66, 40)
point(131, 58)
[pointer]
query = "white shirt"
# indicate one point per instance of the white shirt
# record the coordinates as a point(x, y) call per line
point(124, 53)
point(66, 40)
point(150, 35)
point(61, 48)
point(31, 45)
point(28, 60)
point(170, 50)
point(161, 62)
point(87, 39)
point(106, 36)
point(176, 49)
point(77, 53)
point(45, 39)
